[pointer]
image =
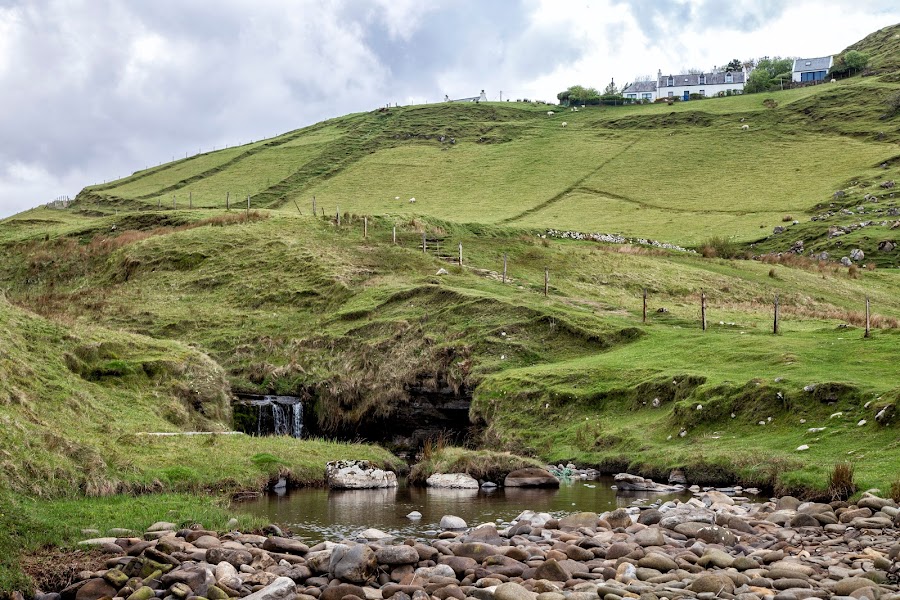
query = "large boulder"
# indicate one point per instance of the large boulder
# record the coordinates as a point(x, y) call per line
point(452, 481)
point(353, 564)
point(531, 477)
point(280, 589)
point(357, 474)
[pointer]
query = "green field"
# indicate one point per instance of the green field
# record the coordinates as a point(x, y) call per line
point(126, 314)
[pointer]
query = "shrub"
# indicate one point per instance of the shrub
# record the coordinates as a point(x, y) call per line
point(787, 219)
point(853, 272)
point(772, 274)
point(721, 247)
point(840, 482)
point(893, 105)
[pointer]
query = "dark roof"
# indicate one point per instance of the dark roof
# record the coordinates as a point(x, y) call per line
point(639, 87)
point(812, 64)
point(694, 79)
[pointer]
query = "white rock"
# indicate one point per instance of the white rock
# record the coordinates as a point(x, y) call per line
point(452, 522)
point(836, 415)
point(280, 589)
point(861, 423)
point(442, 271)
point(452, 480)
point(815, 429)
point(357, 474)
point(374, 534)
point(802, 448)
point(414, 515)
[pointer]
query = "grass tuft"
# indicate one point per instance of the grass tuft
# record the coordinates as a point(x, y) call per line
point(841, 484)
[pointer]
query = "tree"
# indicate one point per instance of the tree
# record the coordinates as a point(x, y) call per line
point(768, 74)
point(734, 65)
point(611, 89)
point(856, 60)
point(578, 94)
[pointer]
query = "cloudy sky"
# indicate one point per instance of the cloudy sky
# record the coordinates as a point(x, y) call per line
point(92, 90)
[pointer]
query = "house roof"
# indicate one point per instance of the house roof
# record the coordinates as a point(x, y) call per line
point(812, 64)
point(639, 87)
point(694, 79)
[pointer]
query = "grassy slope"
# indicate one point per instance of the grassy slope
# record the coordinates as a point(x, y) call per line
point(652, 171)
point(294, 304)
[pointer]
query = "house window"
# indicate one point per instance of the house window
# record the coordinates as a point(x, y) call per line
point(631, 95)
point(729, 78)
point(702, 81)
point(647, 96)
point(702, 92)
point(671, 94)
point(670, 82)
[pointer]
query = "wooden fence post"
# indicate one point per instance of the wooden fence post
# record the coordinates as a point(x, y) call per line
point(394, 235)
point(190, 199)
point(504, 267)
point(868, 323)
point(703, 309)
point(248, 208)
point(775, 324)
point(423, 243)
point(546, 280)
point(365, 227)
point(158, 203)
point(644, 320)
point(314, 206)
point(174, 203)
point(227, 200)
point(460, 254)
point(338, 215)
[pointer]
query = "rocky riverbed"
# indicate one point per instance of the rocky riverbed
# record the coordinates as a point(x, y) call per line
point(708, 547)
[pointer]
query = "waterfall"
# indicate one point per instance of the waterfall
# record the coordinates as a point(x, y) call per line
point(270, 415)
point(297, 420)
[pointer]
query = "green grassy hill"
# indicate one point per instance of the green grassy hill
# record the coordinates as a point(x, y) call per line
point(284, 301)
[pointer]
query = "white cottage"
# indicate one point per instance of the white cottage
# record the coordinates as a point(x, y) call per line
point(641, 90)
point(811, 69)
point(705, 84)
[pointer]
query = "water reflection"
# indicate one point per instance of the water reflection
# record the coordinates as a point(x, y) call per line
point(317, 514)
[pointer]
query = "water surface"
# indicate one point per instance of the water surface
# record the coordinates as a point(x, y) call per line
point(315, 515)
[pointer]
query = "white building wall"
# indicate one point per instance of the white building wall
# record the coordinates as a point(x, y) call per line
point(709, 90)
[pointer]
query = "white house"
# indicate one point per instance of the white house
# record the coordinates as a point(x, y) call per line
point(641, 90)
point(481, 98)
point(682, 86)
point(704, 84)
point(811, 69)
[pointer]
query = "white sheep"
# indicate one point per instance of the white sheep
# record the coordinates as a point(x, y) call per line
point(745, 127)
point(564, 123)
point(550, 113)
point(412, 200)
point(833, 80)
point(575, 108)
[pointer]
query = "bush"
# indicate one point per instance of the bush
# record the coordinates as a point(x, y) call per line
point(893, 105)
point(697, 97)
point(840, 482)
point(721, 247)
point(787, 219)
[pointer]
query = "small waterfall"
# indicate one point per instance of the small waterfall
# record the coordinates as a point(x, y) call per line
point(271, 415)
point(297, 420)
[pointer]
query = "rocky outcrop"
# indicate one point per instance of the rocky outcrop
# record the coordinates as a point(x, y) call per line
point(357, 474)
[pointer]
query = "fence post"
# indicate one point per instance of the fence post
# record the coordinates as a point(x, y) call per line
point(227, 200)
point(504, 267)
point(546, 280)
point(460, 254)
point(338, 215)
point(423, 243)
point(868, 324)
point(314, 206)
point(394, 235)
point(174, 203)
point(248, 207)
point(644, 320)
point(703, 309)
point(158, 203)
point(775, 324)
point(190, 199)
point(365, 227)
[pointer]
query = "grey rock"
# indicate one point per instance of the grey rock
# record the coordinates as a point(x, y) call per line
point(452, 522)
point(353, 564)
point(357, 474)
point(397, 555)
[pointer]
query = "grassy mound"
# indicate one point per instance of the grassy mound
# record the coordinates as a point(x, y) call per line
point(480, 464)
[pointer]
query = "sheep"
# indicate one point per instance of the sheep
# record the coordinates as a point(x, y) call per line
point(745, 127)
point(550, 113)
point(575, 108)
point(564, 123)
point(412, 200)
point(833, 80)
